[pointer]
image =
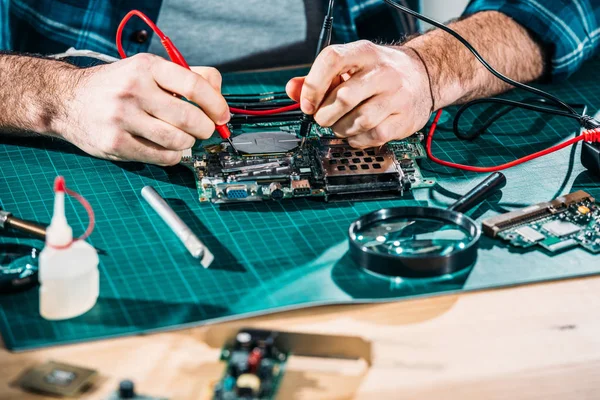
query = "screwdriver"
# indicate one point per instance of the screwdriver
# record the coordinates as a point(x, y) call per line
point(8, 221)
point(307, 121)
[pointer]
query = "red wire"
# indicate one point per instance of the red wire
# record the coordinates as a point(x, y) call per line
point(90, 212)
point(588, 136)
point(265, 112)
point(91, 218)
point(178, 59)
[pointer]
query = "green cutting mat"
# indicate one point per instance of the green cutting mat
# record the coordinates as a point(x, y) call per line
point(269, 256)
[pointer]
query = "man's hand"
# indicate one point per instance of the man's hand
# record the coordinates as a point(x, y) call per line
point(367, 93)
point(127, 110)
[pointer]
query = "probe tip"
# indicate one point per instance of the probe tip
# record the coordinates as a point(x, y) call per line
point(232, 146)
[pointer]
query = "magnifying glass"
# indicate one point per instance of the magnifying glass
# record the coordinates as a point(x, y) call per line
point(18, 267)
point(421, 242)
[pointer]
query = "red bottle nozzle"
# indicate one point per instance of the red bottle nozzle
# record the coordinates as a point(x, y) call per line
point(59, 185)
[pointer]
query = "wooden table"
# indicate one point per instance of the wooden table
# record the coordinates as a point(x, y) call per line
point(531, 342)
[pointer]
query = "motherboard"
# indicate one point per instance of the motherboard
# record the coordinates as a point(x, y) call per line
point(270, 162)
point(569, 221)
point(256, 361)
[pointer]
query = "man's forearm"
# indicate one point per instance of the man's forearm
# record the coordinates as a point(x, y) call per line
point(32, 93)
point(456, 76)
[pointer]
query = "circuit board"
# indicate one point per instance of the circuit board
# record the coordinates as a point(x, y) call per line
point(256, 360)
point(254, 368)
point(569, 221)
point(269, 162)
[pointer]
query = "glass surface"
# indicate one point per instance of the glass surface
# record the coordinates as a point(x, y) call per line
point(18, 261)
point(413, 237)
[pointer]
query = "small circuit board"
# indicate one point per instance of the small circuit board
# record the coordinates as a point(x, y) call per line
point(270, 163)
point(254, 369)
point(569, 221)
point(255, 360)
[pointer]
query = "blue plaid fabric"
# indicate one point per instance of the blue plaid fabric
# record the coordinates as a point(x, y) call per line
point(569, 30)
point(52, 26)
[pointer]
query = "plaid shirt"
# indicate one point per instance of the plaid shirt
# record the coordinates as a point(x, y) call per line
point(53, 26)
point(568, 30)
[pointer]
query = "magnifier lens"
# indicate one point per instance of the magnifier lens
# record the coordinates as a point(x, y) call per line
point(18, 267)
point(413, 237)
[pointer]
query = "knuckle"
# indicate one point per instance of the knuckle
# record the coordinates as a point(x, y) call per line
point(380, 135)
point(193, 87)
point(182, 141)
point(114, 143)
point(172, 157)
point(345, 97)
point(339, 131)
point(129, 87)
point(185, 118)
point(332, 56)
point(141, 63)
point(143, 59)
point(365, 123)
point(116, 115)
point(214, 76)
point(366, 45)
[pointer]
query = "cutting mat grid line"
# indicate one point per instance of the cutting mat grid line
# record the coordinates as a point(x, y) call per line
point(270, 256)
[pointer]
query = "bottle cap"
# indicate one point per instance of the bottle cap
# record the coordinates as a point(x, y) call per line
point(59, 233)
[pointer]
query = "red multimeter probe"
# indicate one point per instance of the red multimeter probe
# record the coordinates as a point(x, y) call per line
point(177, 58)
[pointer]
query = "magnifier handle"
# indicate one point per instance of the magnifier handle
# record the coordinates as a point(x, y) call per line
point(479, 193)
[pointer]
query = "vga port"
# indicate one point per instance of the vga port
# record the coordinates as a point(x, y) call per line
point(236, 192)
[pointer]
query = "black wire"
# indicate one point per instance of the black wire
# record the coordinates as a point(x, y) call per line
point(512, 105)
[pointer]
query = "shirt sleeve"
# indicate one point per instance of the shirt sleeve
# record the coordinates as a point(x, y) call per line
point(568, 30)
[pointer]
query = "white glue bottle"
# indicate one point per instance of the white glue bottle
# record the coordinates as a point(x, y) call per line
point(68, 270)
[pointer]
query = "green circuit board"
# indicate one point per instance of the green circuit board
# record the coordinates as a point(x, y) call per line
point(569, 221)
point(254, 368)
point(323, 167)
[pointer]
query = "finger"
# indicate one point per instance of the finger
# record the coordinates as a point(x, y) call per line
point(294, 88)
point(331, 63)
point(134, 148)
point(178, 113)
point(159, 132)
point(212, 75)
point(393, 128)
point(176, 79)
point(365, 117)
point(344, 98)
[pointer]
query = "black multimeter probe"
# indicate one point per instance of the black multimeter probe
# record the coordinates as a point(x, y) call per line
point(307, 121)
